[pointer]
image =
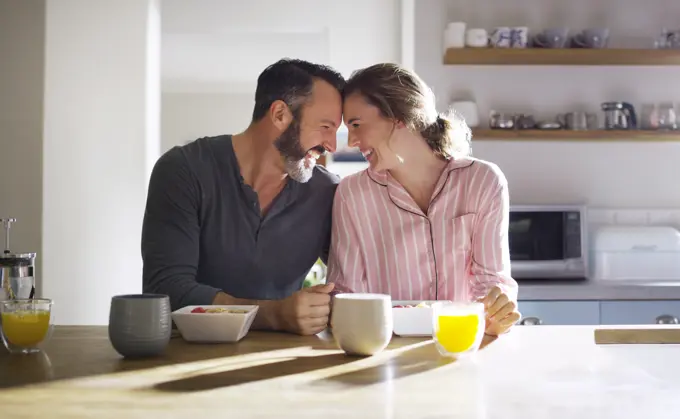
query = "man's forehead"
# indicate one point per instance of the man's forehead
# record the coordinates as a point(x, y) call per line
point(325, 103)
point(322, 90)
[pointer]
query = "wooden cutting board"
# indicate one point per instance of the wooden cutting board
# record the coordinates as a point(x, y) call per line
point(637, 334)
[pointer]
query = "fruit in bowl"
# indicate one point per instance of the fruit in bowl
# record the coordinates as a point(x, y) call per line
point(419, 305)
point(214, 324)
point(219, 310)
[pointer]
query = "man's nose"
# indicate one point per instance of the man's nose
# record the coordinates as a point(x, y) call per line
point(331, 143)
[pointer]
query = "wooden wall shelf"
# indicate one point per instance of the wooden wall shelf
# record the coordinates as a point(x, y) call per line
point(561, 56)
point(571, 135)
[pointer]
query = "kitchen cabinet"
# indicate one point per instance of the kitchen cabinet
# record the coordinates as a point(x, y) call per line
point(560, 312)
point(639, 312)
point(599, 312)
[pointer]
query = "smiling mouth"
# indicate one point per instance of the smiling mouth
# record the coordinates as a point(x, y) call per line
point(313, 154)
point(317, 151)
point(367, 153)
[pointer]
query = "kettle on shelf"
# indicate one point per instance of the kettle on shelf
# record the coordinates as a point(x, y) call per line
point(619, 115)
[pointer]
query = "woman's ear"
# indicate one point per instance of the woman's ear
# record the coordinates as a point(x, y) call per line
point(399, 125)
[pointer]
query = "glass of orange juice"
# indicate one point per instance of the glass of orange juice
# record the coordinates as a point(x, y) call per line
point(457, 327)
point(25, 324)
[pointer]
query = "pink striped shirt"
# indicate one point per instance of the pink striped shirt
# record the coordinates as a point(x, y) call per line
point(383, 243)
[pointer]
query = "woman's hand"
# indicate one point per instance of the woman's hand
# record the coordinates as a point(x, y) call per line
point(501, 312)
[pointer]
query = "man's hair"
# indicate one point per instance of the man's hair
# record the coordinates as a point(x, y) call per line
point(291, 81)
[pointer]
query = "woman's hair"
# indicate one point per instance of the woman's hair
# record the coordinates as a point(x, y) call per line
point(401, 95)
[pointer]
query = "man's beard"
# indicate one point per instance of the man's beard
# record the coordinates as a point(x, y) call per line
point(293, 154)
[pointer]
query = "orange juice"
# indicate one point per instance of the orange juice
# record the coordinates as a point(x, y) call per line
point(457, 327)
point(25, 328)
point(457, 334)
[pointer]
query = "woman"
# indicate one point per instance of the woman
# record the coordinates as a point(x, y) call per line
point(425, 221)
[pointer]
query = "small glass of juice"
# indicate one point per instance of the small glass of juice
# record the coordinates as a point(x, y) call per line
point(457, 327)
point(25, 324)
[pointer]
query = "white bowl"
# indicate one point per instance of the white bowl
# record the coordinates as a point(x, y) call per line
point(214, 327)
point(412, 321)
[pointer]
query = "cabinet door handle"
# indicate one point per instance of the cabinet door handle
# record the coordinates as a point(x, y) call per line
point(531, 321)
point(666, 319)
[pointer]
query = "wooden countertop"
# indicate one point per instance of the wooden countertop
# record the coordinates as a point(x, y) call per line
point(533, 372)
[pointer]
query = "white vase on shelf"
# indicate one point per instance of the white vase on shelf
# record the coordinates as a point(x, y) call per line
point(467, 109)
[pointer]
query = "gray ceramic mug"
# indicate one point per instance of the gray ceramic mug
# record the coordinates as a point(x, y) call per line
point(140, 324)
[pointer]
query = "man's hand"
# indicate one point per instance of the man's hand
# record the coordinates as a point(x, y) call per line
point(501, 312)
point(306, 312)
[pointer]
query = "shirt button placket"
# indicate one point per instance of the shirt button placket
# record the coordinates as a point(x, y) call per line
point(433, 264)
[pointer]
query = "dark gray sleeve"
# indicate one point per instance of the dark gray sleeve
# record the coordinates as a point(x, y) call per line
point(171, 234)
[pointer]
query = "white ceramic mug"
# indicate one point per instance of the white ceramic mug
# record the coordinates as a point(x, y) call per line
point(362, 324)
point(477, 38)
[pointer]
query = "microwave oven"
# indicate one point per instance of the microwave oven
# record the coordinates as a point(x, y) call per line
point(548, 242)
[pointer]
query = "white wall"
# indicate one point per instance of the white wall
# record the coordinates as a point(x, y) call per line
point(102, 123)
point(222, 46)
point(188, 116)
point(210, 70)
point(634, 175)
point(22, 31)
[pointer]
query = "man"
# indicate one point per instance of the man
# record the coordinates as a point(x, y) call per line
point(241, 219)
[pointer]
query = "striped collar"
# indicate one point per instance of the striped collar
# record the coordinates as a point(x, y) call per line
point(398, 194)
point(383, 177)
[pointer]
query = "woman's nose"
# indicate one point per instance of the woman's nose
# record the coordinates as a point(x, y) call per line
point(352, 140)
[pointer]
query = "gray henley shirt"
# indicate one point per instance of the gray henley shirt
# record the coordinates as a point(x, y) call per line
point(203, 231)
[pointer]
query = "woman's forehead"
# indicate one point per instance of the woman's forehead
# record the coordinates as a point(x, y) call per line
point(356, 107)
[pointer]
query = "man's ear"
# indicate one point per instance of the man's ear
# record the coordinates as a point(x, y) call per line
point(280, 115)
